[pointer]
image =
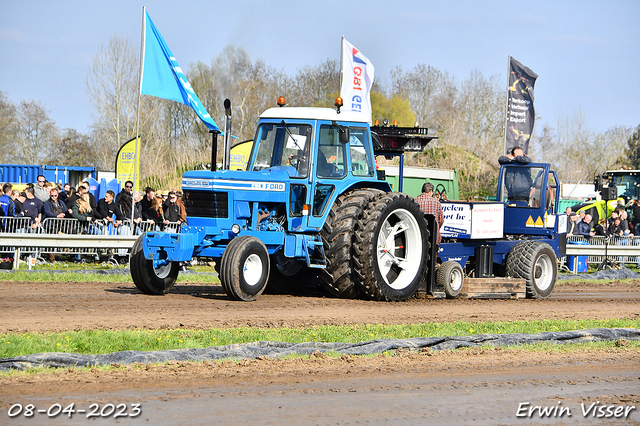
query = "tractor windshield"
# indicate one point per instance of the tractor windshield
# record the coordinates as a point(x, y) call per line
point(285, 146)
point(627, 184)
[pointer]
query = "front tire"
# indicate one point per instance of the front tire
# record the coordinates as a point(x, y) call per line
point(536, 262)
point(392, 248)
point(245, 268)
point(150, 280)
point(451, 276)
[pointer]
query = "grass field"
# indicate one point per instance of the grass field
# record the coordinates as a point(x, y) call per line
point(106, 341)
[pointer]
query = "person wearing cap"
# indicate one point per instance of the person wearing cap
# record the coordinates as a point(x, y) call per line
point(571, 226)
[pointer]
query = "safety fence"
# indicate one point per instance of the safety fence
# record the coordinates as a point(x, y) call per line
point(594, 250)
point(21, 236)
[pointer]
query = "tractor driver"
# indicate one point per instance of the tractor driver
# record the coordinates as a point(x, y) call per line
point(517, 181)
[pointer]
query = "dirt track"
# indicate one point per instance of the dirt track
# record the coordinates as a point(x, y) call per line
point(471, 386)
point(38, 307)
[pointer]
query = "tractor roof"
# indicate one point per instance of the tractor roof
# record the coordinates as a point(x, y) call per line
point(309, 113)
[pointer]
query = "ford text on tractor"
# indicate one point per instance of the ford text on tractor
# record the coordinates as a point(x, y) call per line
point(310, 199)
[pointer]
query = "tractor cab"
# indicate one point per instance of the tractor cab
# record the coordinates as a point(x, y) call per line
point(530, 193)
point(323, 152)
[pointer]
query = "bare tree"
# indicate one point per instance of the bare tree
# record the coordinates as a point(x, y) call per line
point(314, 85)
point(432, 95)
point(7, 128)
point(112, 88)
point(34, 132)
point(480, 115)
point(72, 149)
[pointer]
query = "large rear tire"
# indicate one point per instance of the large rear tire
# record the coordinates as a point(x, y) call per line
point(245, 269)
point(338, 237)
point(150, 280)
point(536, 262)
point(392, 248)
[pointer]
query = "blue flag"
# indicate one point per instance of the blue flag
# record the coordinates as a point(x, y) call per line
point(162, 77)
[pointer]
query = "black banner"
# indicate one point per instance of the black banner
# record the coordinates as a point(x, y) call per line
point(520, 111)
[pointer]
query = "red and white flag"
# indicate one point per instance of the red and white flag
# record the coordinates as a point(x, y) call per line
point(357, 79)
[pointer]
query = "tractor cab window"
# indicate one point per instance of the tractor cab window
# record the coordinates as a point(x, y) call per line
point(359, 150)
point(331, 154)
point(627, 185)
point(517, 184)
point(283, 146)
point(537, 190)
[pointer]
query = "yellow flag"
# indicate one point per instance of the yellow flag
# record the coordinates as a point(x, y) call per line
point(240, 155)
point(126, 162)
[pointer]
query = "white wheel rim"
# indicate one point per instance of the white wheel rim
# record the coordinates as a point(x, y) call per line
point(399, 263)
point(543, 272)
point(162, 272)
point(252, 269)
point(456, 279)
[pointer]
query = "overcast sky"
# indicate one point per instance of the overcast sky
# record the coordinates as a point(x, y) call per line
point(586, 53)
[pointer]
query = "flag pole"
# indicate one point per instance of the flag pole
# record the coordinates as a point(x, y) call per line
point(506, 109)
point(341, 70)
point(137, 151)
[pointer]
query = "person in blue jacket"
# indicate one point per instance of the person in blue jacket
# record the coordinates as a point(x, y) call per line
point(517, 181)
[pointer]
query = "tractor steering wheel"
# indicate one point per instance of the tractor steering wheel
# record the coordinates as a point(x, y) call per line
point(294, 160)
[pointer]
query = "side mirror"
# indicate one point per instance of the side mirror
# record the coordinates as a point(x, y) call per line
point(344, 135)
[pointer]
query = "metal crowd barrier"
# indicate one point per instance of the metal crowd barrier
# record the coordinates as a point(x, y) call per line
point(622, 250)
point(61, 236)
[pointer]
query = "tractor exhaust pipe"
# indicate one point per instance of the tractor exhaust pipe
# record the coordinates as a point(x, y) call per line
point(227, 135)
point(214, 149)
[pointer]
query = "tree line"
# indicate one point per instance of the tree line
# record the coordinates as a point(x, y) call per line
point(466, 115)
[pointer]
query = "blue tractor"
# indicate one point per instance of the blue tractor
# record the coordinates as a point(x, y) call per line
point(310, 199)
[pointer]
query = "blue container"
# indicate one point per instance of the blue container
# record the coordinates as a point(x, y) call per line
point(577, 264)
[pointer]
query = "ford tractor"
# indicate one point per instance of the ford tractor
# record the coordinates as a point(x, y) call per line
point(310, 199)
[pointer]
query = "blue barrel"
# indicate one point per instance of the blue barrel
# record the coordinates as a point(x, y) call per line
point(577, 264)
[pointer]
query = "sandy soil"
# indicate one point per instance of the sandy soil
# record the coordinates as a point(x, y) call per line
point(39, 307)
point(460, 387)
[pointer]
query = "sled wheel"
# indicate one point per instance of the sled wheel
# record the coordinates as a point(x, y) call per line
point(535, 261)
point(147, 278)
point(451, 276)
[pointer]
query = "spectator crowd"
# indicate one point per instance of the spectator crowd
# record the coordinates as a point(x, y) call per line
point(617, 225)
point(44, 200)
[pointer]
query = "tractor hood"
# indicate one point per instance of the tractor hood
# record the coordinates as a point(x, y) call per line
point(272, 179)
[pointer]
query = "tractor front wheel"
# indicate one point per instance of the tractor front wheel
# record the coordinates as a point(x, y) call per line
point(245, 268)
point(148, 279)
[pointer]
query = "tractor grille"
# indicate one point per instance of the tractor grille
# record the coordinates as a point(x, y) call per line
point(206, 203)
